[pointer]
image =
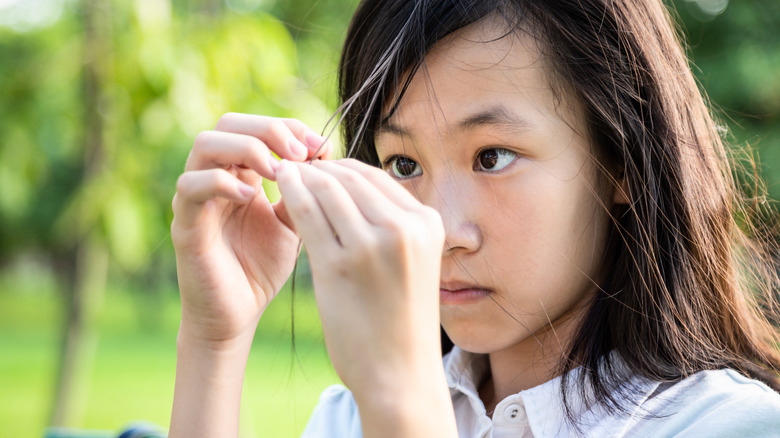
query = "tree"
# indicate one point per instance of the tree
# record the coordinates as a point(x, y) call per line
point(99, 113)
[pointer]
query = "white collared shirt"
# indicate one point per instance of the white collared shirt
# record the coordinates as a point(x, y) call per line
point(720, 403)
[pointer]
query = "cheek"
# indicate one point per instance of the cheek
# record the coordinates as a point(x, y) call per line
point(544, 238)
point(518, 230)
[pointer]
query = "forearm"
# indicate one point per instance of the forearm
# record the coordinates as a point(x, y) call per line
point(207, 395)
point(422, 409)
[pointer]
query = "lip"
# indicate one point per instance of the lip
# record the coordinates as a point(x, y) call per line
point(459, 293)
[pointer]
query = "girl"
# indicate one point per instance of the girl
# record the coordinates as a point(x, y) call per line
point(540, 178)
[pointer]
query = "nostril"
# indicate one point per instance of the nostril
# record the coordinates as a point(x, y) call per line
point(462, 237)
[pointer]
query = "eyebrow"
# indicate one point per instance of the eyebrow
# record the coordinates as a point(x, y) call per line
point(496, 116)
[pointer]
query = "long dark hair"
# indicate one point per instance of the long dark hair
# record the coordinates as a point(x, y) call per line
point(690, 280)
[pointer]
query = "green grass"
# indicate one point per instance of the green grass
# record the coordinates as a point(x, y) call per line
point(132, 375)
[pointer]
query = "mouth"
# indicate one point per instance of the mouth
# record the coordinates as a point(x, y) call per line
point(460, 293)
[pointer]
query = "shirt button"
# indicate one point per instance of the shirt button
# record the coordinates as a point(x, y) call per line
point(514, 413)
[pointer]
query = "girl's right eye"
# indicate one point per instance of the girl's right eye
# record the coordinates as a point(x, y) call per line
point(401, 167)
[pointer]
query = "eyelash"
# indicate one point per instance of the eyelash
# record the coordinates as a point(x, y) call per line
point(500, 151)
point(389, 164)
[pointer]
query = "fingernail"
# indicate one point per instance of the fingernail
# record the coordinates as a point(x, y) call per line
point(246, 190)
point(313, 140)
point(299, 149)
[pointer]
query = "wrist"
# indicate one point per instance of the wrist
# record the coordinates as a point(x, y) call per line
point(193, 336)
point(209, 379)
point(420, 407)
point(219, 362)
point(395, 388)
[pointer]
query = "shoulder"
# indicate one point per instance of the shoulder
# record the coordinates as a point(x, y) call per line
point(714, 403)
point(336, 415)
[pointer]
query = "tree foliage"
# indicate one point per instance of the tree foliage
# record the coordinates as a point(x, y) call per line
point(172, 68)
point(169, 72)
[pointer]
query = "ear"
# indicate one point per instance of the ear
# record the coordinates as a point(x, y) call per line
point(620, 194)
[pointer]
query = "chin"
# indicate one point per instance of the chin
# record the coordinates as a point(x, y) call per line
point(482, 341)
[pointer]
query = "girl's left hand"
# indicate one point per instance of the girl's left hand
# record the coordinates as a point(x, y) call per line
point(375, 254)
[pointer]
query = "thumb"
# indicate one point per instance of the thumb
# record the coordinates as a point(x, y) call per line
point(281, 213)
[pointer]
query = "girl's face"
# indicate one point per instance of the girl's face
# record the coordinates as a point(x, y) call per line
point(481, 136)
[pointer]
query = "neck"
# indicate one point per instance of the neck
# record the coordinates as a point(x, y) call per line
point(527, 364)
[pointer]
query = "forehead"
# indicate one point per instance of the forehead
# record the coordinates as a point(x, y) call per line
point(481, 66)
point(487, 43)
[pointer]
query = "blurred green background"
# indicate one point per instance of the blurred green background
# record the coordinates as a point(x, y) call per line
point(99, 103)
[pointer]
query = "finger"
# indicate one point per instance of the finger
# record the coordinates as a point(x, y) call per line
point(281, 213)
point(382, 181)
point(304, 211)
point(285, 137)
point(320, 147)
point(374, 204)
point(195, 188)
point(347, 219)
point(223, 149)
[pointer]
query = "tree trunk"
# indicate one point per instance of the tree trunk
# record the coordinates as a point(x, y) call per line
point(79, 335)
point(85, 286)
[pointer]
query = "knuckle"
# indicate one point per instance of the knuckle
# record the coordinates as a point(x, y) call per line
point(183, 184)
point(277, 128)
point(432, 220)
point(203, 138)
point(218, 180)
point(364, 169)
point(395, 236)
point(430, 215)
point(176, 229)
point(175, 233)
point(175, 205)
point(370, 172)
point(294, 124)
point(225, 121)
point(415, 228)
point(351, 178)
point(250, 144)
point(323, 183)
point(395, 227)
point(199, 147)
point(377, 172)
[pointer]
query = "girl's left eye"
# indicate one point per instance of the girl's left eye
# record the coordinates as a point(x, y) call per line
point(401, 167)
point(494, 159)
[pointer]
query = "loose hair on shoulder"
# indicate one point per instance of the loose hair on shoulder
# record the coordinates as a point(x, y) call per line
point(689, 281)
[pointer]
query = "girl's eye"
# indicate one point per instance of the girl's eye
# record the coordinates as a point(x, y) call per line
point(494, 159)
point(403, 167)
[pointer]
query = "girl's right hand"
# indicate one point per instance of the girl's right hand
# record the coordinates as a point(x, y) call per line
point(234, 249)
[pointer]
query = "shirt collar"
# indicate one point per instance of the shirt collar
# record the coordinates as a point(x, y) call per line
point(464, 370)
point(543, 404)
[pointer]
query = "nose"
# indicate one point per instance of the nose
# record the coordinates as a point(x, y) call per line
point(459, 211)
